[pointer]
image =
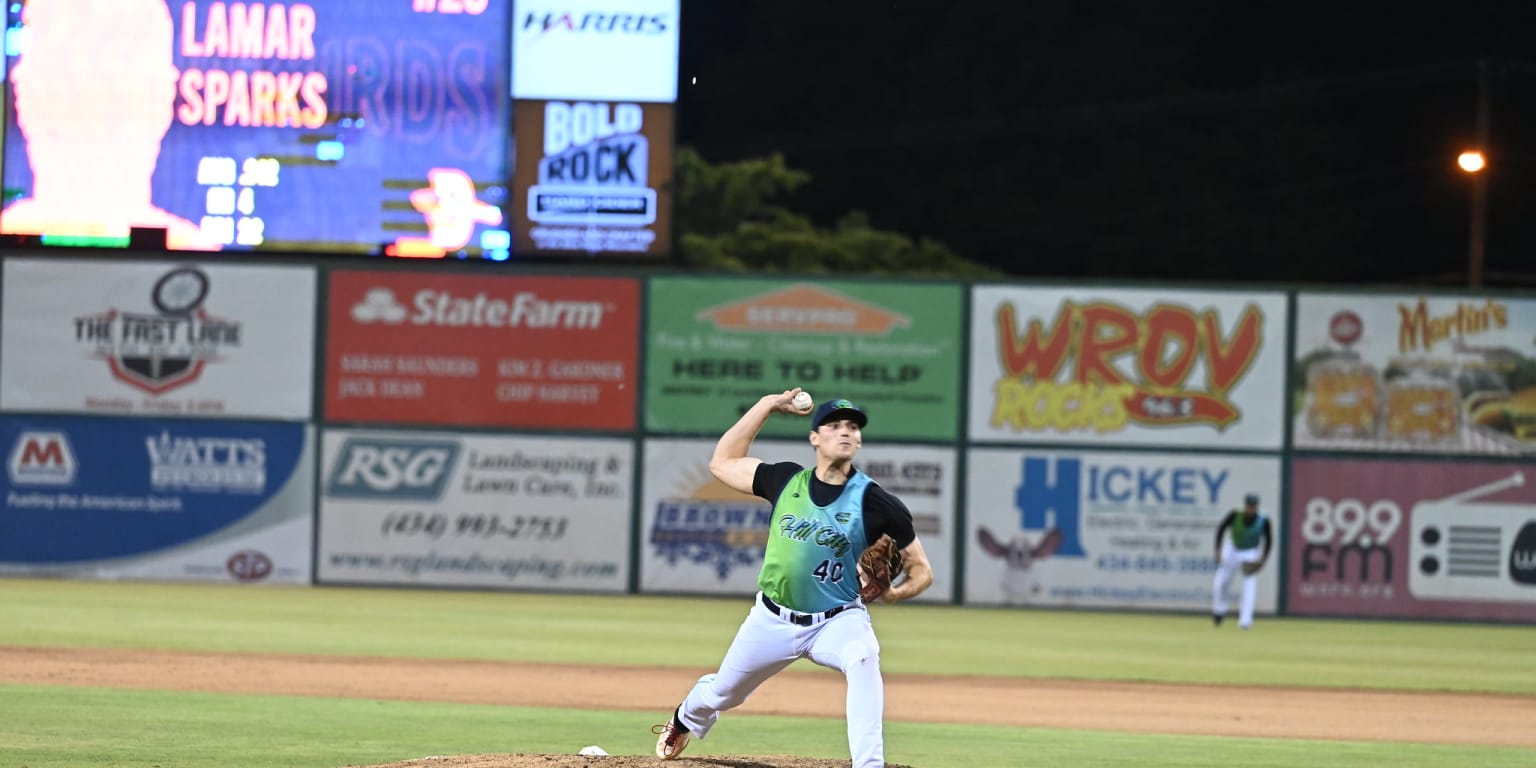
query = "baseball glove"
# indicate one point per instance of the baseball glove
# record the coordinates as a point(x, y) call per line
point(1250, 569)
point(879, 565)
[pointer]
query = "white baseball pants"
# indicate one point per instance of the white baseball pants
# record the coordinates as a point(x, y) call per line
point(766, 644)
point(1231, 564)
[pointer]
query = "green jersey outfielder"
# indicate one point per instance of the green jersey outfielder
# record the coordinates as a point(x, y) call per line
point(1243, 540)
point(809, 605)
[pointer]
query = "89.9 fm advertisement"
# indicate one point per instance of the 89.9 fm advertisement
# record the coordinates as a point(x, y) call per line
point(347, 125)
point(592, 177)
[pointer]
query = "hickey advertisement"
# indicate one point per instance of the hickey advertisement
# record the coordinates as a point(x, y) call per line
point(717, 346)
point(147, 339)
point(470, 510)
point(700, 537)
point(1416, 374)
point(1144, 367)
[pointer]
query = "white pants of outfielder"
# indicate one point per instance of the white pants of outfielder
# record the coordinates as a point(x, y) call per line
point(1231, 564)
point(766, 644)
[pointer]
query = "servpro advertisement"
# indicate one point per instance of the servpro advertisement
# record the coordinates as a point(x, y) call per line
point(716, 346)
point(1412, 539)
point(474, 350)
point(461, 510)
point(1423, 374)
point(592, 177)
point(158, 339)
point(1109, 530)
point(1141, 367)
point(700, 537)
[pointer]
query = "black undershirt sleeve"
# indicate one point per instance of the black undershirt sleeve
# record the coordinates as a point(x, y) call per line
point(884, 513)
point(769, 480)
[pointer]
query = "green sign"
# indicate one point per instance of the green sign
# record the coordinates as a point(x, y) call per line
point(715, 346)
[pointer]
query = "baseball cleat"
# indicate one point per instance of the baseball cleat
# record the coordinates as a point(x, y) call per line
point(671, 741)
point(1216, 619)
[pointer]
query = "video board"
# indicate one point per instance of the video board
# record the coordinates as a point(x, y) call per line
point(327, 126)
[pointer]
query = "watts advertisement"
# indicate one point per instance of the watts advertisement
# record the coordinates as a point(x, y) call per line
point(592, 177)
point(1065, 365)
point(184, 500)
point(717, 346)
point(1109, 530)
point(700, 537)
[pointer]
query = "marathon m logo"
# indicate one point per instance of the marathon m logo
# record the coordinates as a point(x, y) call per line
point(42, 458)
point(370, 468)
point(1051, 497)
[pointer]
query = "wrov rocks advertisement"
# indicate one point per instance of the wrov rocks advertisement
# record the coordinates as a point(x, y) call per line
point(1415, 373)
point(157, 339)
point(1066, 365)
point(1412, 539)
point(700, 537)
point(1108, 530)
point(420, 348)
point(183, 500)
point(459, 510)
point(592, 177)
point(717, 346)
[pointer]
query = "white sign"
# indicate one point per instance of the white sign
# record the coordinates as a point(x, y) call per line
point(1142, 367)
point(469, 510)
point(698, 536)
point(605, 50)
point(1123, 530)
point(157, 339)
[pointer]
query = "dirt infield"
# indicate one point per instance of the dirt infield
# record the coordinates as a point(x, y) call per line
point(1314, 713)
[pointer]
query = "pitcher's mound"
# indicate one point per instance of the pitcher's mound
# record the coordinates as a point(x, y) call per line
point(618, 761)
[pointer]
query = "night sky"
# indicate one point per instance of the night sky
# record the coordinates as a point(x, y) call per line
point(1211, 141)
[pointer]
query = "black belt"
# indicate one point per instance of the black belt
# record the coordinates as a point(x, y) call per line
point(802, 619)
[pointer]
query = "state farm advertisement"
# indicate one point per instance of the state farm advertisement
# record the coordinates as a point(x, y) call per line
point(1412, 539)
point(157, 339)
point(592, 177)
point(717, 346)
point(476, 350)
point(474, 510)
point(1140, 367)
point(1420, 374)
point(700, 537)
point(1109, 529)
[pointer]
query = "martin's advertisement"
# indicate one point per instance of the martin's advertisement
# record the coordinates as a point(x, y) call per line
point(700, 537)
point(1421, 374)
point(463, 510)
point(592, 177)
point(1143, 367)
point(1109, 530)
point(717, 346)
point(172, 500)
point(157, 339)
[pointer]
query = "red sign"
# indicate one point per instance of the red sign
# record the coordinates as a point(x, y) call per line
point(1412, 539)
point(472, 350)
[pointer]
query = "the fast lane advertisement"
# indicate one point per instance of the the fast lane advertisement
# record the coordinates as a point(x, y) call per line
point(1108, 529)
point(1414, 539)
point(716, 346)
point(475, 510)
point(1415, 373)
point(700, 537)
point(592, 177)
point(1137, 367)
point(483, 351)
point(349, 125)
point(161, 500)
point(157, 339)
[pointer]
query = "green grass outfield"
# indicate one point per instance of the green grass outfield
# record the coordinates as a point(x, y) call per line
point(48, 727)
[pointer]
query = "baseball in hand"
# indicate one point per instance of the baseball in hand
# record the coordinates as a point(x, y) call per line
point(803, 402)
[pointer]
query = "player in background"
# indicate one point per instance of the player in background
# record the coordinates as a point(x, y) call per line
point(824, 517)
point(95, 94)
point(1243, 541)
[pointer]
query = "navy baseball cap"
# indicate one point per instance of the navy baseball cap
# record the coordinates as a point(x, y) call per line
point(832, 410)
point(1252, 498)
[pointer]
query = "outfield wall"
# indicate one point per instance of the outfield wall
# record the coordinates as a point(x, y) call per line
point(478, 426)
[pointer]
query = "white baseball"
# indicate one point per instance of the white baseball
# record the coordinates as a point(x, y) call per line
point(803, 402)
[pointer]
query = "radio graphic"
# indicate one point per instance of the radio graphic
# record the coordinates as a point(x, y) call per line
point(1463, 550)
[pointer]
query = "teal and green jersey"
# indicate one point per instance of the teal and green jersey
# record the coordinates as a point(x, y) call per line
point(811, 562)
point(1246, 535)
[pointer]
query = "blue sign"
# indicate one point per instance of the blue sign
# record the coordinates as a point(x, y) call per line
point(82, 489)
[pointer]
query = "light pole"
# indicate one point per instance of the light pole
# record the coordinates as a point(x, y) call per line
point(1475, 163)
